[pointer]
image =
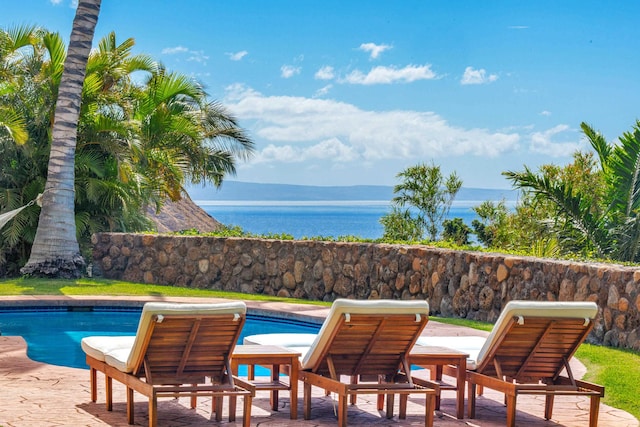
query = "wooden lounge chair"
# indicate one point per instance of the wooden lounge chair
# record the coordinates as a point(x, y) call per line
point(528, 352)
point(367, 342)
point(178, 349)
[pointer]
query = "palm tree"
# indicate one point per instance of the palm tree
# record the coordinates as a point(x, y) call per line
point(27, 58)
point(55, 251)
point(183, 137)
point(138, 143)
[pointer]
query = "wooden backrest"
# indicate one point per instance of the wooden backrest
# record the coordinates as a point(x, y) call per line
point(532, 349)
point(371, 344)
point(184, 349)
point(183, 343)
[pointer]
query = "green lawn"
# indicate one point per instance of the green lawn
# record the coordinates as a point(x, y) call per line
point(617, 370)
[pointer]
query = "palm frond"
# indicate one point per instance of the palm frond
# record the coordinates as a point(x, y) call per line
point(624, 164)
point(13, 125)
point(575, 207)
point(598, 143)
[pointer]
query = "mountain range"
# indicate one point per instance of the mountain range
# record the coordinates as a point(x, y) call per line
point(250, 191)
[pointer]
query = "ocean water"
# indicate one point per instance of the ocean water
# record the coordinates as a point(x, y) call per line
point(312, 219)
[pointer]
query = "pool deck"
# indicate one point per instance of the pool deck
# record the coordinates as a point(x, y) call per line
point(37, 394)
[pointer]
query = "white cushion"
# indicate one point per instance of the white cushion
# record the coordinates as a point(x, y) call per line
point(466, 344)
point(98, 346)
point(118, 358)
point(281, 340)
point(341, 307)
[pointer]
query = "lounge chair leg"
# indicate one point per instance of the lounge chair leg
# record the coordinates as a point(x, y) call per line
point(353, 398)
point(511, 410)
point(403, 406)
point(194, 399)
point(380, 402)
point(246, 415)
point(548, 407)
point(108, 387)
point(594, 411)
point(153, 409)
point(93, 377)
point(275, 377)
point(342, 410)
point(307, 400)
point(130, 406)
point(232, 408)
point(471, 400)
point(218, 404)
point(390, 403)
point(430, 407)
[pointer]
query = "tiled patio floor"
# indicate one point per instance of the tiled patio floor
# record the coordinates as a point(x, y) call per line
point(36, 394)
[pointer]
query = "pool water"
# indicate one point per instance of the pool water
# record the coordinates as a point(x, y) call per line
point(53, 335)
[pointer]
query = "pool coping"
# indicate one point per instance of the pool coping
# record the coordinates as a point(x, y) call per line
point(304, 312)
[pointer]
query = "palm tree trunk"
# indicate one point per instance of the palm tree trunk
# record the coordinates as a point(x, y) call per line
point(55, 251)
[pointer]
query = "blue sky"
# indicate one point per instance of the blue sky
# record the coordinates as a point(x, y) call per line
point(338, 92)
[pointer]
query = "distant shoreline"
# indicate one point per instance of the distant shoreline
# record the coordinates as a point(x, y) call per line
point(456, 203)
point(262, 193)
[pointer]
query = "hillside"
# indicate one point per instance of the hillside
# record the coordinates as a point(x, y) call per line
point(247, 191)
point(182, 215)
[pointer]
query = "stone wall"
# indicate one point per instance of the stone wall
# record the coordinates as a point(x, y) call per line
point(471, 285)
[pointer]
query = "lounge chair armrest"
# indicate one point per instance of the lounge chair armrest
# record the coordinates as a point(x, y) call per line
point(427, 383)
point(582, 384)
point(245, 384)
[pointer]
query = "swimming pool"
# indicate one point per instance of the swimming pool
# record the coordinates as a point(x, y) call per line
point(53, 334)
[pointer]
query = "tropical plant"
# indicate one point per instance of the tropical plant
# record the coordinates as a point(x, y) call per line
point(138, 142)
point(593, 207)
point(492, 226)
point(24, 91)
point(456, 231)
point(399, 225)
point(183, 137)
point(423, 188)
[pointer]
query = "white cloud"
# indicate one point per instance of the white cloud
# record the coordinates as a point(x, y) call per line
point(73, 4)
point(476, 77)
point(297, 127)
point(374, 49)
point(518, 27)
point(325, 73)
point(331, 148)
point(387, 75)
point(323, 91)
point(198, 56)
point(288, 71)
point(542, 142)
point(174, 50)
point(237, 56)
point(194, 55)
point(545, 113)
